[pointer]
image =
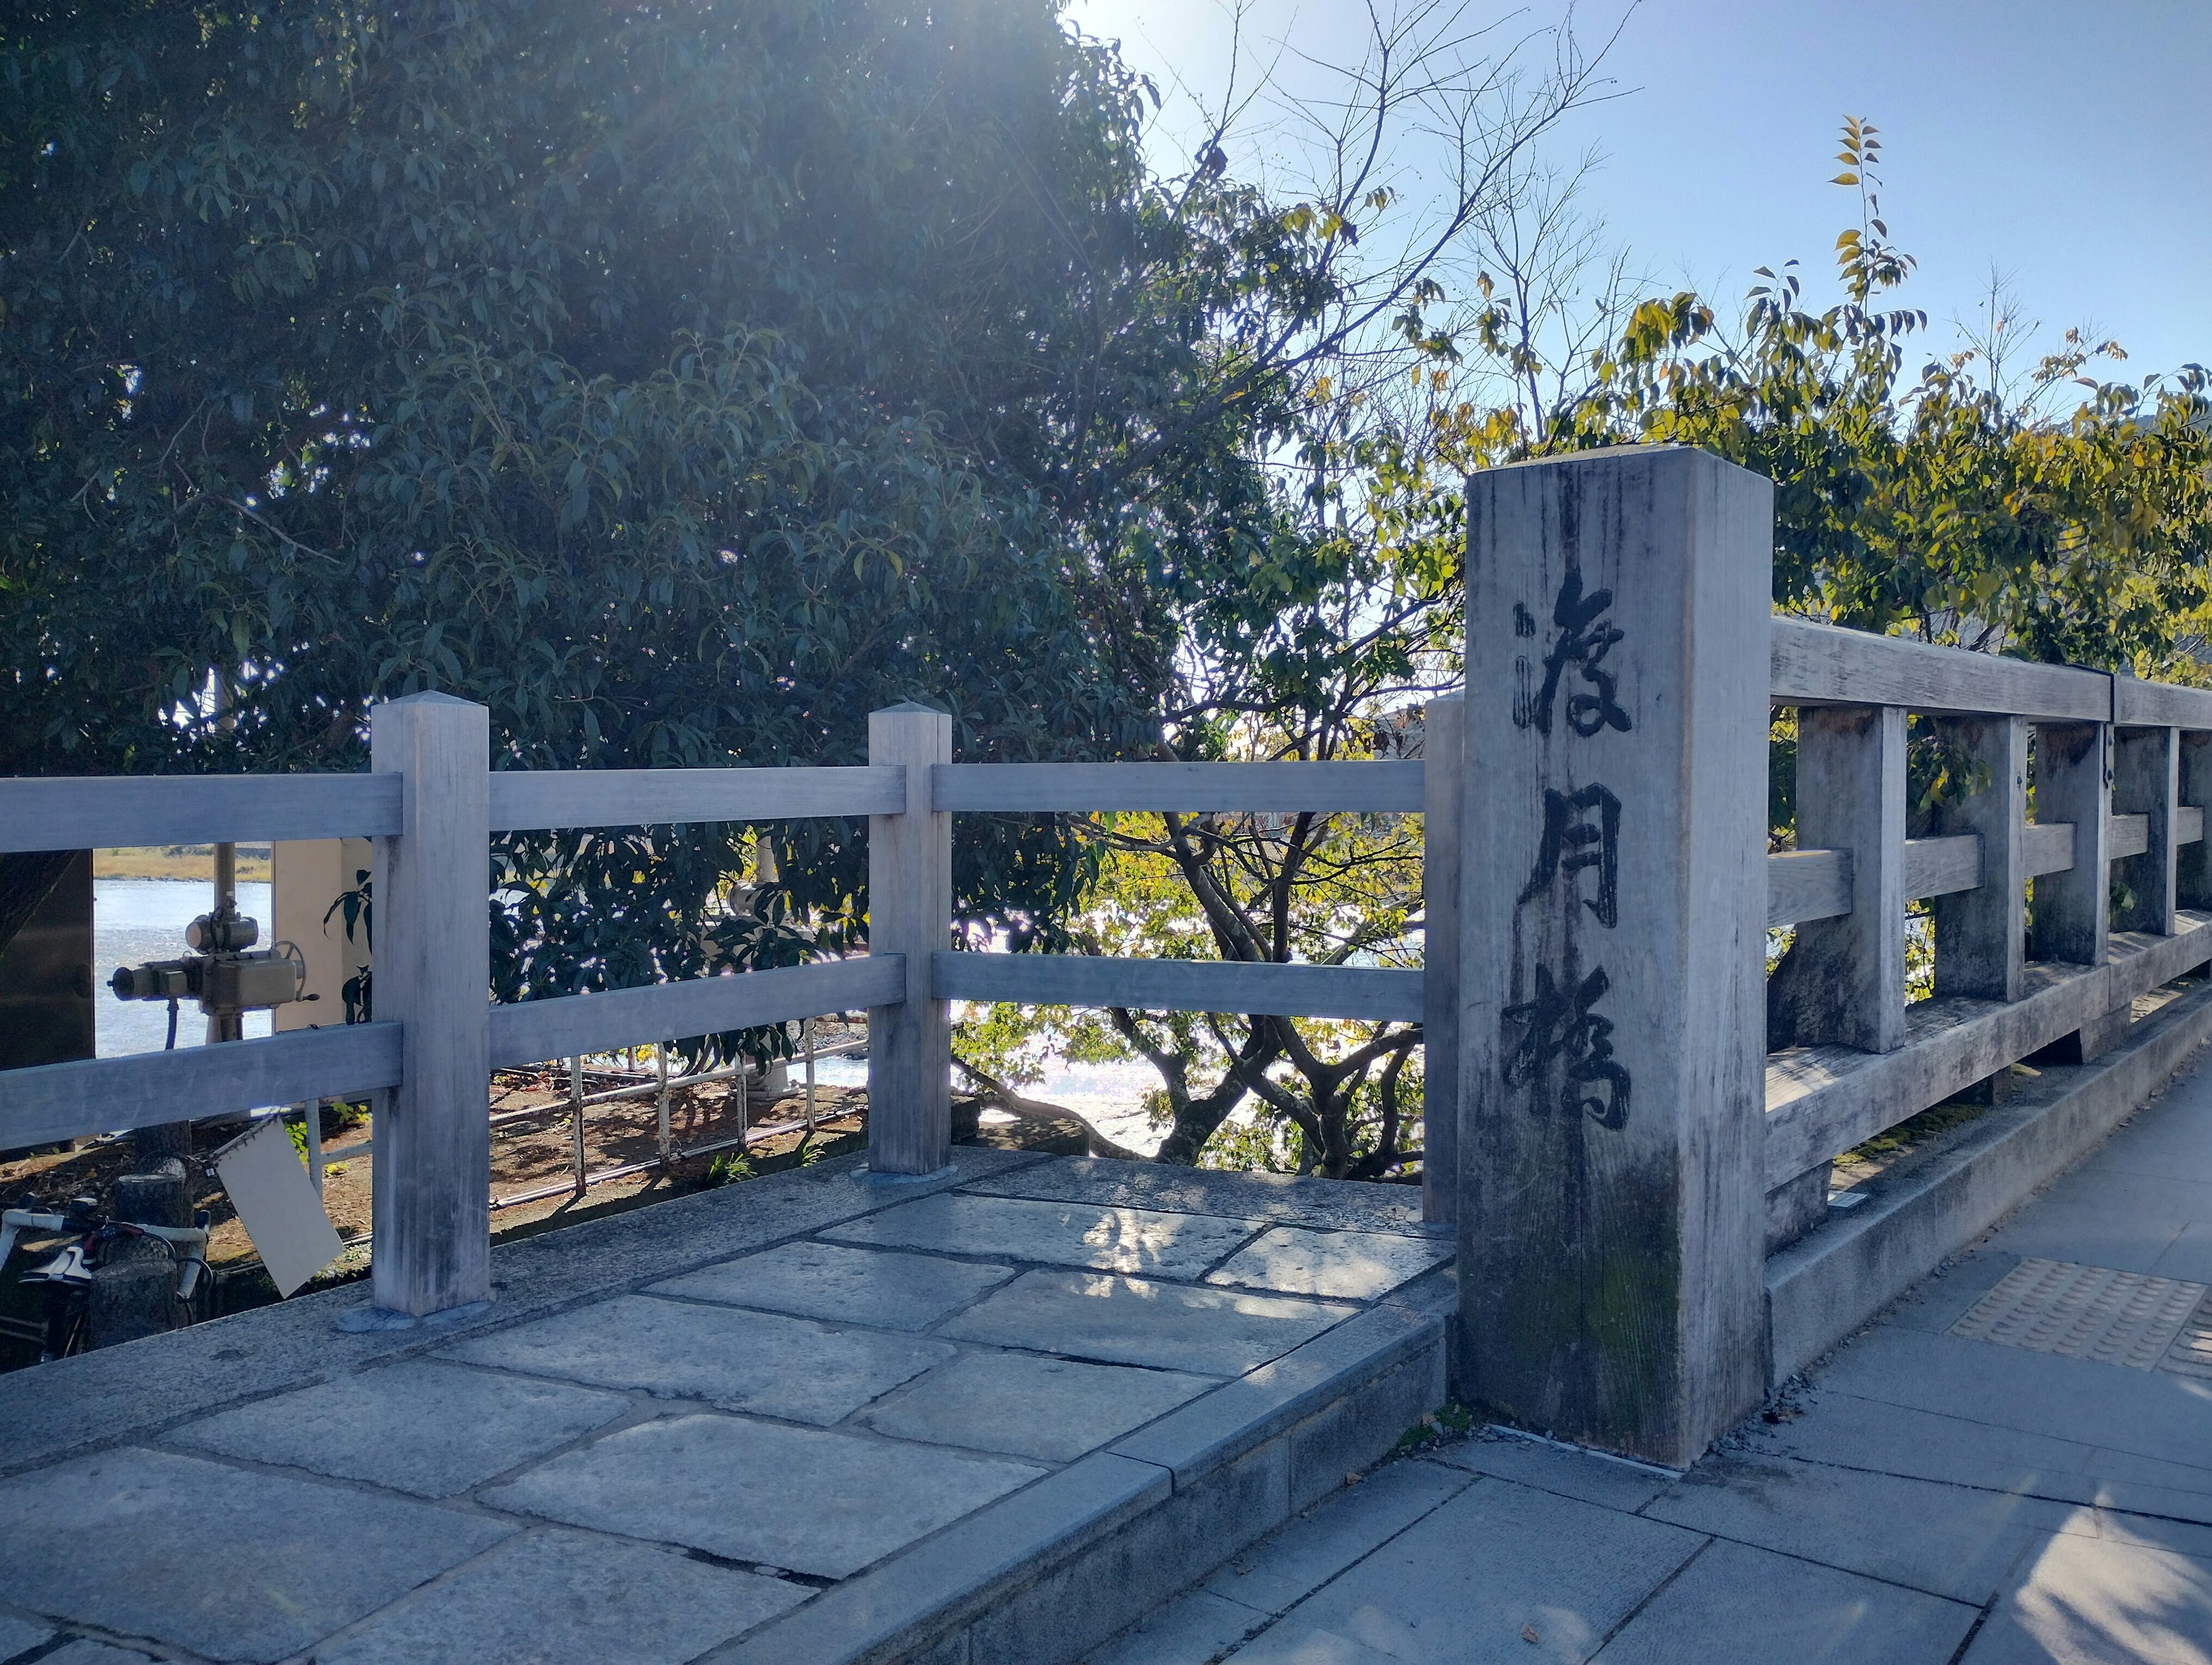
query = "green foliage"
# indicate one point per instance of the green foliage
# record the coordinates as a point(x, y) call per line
point(1953, 506)
point(680, 382)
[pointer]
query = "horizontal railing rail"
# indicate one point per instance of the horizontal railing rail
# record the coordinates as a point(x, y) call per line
point(528, 800)
point(1370, 993)
point(1285, 788)
point(48, 1103)
point(101, 812)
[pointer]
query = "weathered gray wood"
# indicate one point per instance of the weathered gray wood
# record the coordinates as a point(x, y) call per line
point(1224, 986)
point(2126, 835)
point(1848, 972)
point(1941, 866)
point(1444, 786)
point(530, 1031)
point(1808, 884)
point(1610, 1219)
point(1820, 664)
point(2192, 879)
point(53, 1102)
point(2050, 848)
point(1821, 1100)
point(2147, 788)
point(1190, 787)
point(2073, 782)
point(2160, 705)
point(655, 797)
point(910, 914)
point(431, 1198)
point(1981, 932)
point(98, 812)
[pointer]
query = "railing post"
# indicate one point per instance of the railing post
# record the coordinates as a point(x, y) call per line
point(1848, 973)
point(1981, 935)
point(2192, 881)
point(1612, 953)
point(2071, 917)
point(1443, 762)
point(432, 1195)
point(910, 913)
point(2147, 781)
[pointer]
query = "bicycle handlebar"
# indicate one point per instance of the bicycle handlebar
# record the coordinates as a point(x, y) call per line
point(14, 1221)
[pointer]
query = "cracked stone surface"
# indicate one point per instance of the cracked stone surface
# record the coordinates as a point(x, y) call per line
point(1111, 1239)
point(842, 1285)
point(1054, 1409)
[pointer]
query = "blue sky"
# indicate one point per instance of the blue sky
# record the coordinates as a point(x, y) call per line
point(2068, 145)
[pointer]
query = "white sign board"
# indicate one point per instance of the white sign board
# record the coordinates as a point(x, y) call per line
point(277, 1206)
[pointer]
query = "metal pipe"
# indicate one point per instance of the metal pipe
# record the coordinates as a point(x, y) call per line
point(660, 1108)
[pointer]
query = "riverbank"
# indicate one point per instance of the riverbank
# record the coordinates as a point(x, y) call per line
point(178, 861)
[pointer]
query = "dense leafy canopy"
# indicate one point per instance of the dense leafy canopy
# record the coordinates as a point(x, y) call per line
point(680, 382)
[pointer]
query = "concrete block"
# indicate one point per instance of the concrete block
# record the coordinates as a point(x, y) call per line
point(1276, 1397)
point(1462, 1582)
point(434, 1429)
point(1062, 1615)
point(569, 1598)
point(1327, 1204)
point(1122, 1320)
point(1796, 1208)
point(1133, 1240)
point(2080, 1601)
point(1190, 1630)
point(1349, 1266)
point(1751, 1607)
point(1589, 1476)
point(1276, 1575)
point(841, 1285)
point(96, 1540)
point(1052, 1409)
point(1343, 1439)
point(1945, 1539)
point(892, 1611)
point(742, 1361)
point(795, 1498)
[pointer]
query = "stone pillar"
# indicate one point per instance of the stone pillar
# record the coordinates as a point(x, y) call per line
point(1849, 972)
point(1612, 1042)
point(2192, 884)
point(1981, 935)
point(910, 913)
point(2072, 910)
point(432, 1199)
point(1444, 754)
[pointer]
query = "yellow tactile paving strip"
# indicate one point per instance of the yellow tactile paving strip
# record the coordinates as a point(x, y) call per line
point(2094, 1312)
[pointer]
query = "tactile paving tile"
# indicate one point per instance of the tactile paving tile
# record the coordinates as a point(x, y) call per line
point(2192, 1352)
point(2083, 1312)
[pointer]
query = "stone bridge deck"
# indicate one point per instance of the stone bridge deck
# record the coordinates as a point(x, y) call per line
point(814, 1418)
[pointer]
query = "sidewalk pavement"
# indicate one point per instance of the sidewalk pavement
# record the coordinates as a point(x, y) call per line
point(2013, 1464)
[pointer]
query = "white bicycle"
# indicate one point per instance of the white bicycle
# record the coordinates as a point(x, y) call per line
point(64, 1283)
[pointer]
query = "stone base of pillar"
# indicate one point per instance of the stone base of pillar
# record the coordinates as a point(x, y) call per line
point(1794, 1208)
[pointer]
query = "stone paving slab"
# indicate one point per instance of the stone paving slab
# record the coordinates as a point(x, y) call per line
point(1949, 1540)
point(1460, 1586)
point(86, 1651)
point(1749, 1607)
point(742, 1361)
point(211, 1558)
point(842, 1285)
point(1053, 1409)
point(1355, 1265)
point(20, 1636)
point(2076, 1601)
point(1295, 1642)
point(433, 1430)
point(553, 1597)
point(1276, 1575)
point(1192, 1629)
point(1124, 1321)
point(1584, 1475)
point(1131, 1240)
point(1890, 1440)
point(99, 1397)
point(801, 1499)
point(1330, 1204)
